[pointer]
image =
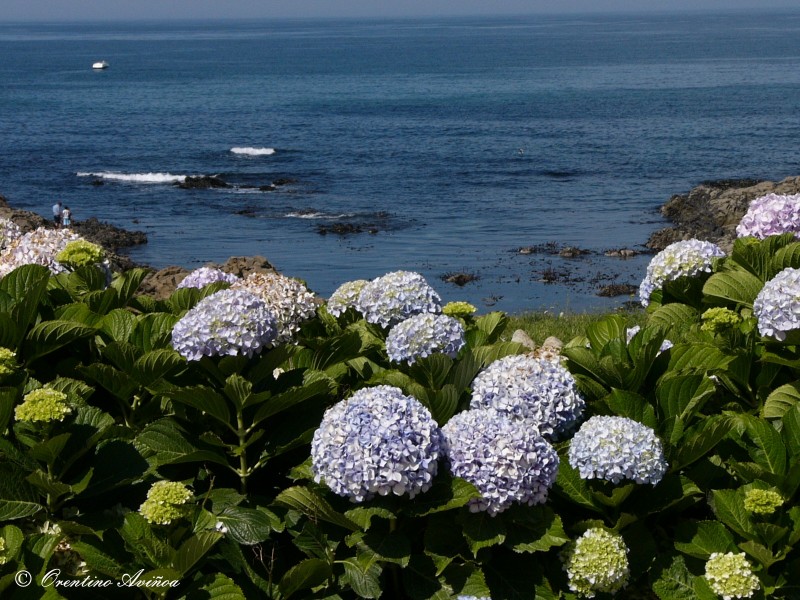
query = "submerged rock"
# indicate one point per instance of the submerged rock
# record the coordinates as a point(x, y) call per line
point(202, 182)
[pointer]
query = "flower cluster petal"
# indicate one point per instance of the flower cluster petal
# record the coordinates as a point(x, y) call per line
point(505, 459)
point(80, 253)
point(731, 576)
point(288, 299)
point(617, 448)
point(378, 441)
point(165, 502)
point(37, 247)
point(719, 319)
point(536, 389)
point(772, 214)
point(200, 278)
point(762, 502)
point(598, 562)
point(8, 361)
point(459, 309)
point(9, 231)
point(227, 322)
point(424, 334)
point(686, 258)
point(397, 296)
point(777, 305)
point(345, 296)
point(43, 404)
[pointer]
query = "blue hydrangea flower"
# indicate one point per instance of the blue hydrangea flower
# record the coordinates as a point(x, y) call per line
point(345, 296)
point(681, 259)
point(772, 214)
point(423, 335)
point(199, 278)
point(378, 441)
point(617, 448)
point(397, 296)
point(632, 331)
point(37, 247)
point(288, 299)
point(777, 305)
point(227, 322)
point(507, 460)
point(539, 390)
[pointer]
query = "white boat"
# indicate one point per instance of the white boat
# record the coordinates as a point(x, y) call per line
point(100, 65)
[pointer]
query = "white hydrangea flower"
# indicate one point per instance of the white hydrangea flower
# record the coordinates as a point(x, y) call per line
point(507, 460)
point(9, 231)
point(731, 576)
point(397, 296)
point(37, 247)
point(227, 322)
point(288, 299)
point(681, 259)
point(772, 214)
point(424, 334)
point(598, 562)
point(777, 305)
point(378, 441)
point(539, 390)
point(345, 296)
point(199, 278)
point(617, 448)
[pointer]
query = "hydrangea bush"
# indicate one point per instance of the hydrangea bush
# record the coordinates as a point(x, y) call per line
point(772, 214)
point(345, 297)
point(37, 247)
point(204, 276)
point(687, 258)
point(396, 296)
point(422, 335)
point(777, 306)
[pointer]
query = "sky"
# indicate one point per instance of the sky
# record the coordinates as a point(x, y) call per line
point(71, 10)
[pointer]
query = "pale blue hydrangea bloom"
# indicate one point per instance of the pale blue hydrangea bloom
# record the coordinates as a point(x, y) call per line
point(378, 441)
point(37, 247)
point(536, 389)
point(345, 296)
point(777, 305)
point(423, 335)
point(632, 331)
point(617, 448)
point(772, 214)
point(9, 231)
point(227, 322)
point(681, 259)
point(288, 299)
point(199, 278)
point(506, 459)
point(397, 296)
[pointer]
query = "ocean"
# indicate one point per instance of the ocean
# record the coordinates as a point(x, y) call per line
point(441, 145)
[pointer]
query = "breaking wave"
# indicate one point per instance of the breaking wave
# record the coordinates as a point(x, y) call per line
point(137, 177)
point(313, 214)
point(253, 151)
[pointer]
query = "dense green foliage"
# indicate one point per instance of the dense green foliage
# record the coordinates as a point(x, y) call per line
point(235, 432)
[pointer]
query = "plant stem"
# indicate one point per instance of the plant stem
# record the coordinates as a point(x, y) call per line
point(242, 433)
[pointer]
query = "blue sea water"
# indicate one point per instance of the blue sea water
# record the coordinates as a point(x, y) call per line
point(459, 140)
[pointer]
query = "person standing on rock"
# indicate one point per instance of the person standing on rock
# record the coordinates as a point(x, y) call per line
point(57, 213)
point(66, 217)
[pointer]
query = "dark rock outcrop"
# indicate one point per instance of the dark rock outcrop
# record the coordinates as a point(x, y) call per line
point(202, 182)
point(107, 235)
point(712, 210)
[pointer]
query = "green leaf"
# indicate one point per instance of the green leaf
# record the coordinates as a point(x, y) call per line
point(292, 397)
point(481, 530)
point(363, 515)
point(769, 451)
point(446, 493)
point(700, 440)
point(682, 395)
point(193, 549)
point(305, 575)
point(167, 443)
point(431, 371)
point(492, 324)
point(246, 525)
point(204, 399)
point(600, 333)
point(8, 398)
point(50, 449)
point(536, 529)
point(733, 287)
point(313, 505)
point(698, 356)
point(675, 582)
point(313, 542)
point(672, 315)
point(791, 432)
point(118, 383)
point(392, 547)
point(728, 506)
point(97, 559)
point(363, 576)
point(513, 576)
point(701, 539)
point(214, 587)
point(156, 364)
point(570, 484)
point(49, 336)
point(26, 285)
point(153, 331)
point(18, 509)
point(118, 324)
point(781, 400)
point(140, 538)
point(632, 405)
point(127, 283)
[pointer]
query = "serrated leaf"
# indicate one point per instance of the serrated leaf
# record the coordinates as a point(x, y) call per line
point(193, 549)
point(446, 493)
point(127, 283)
point(214, 587)
point(570, 484)
point(305, 575)
point(537, 529)
point(769, 451)
point(168, 442)
point(781, 400)
point(118, 324)
point(96, 558)
point(672, 315)
point(700, 539)
point(204, 399)
point(682, 395)
point(313, 505)
point(363, 515)
point(363, 576)
point(632, 405)
point(492, 324)
point(49, 336)
point(733, 287)
point(156, 364)
point(482, 530)
point(791, 432)
point(292, 397)
point(118, 383)
point(18, 509)
point(153, 331)
point(700, 440)
point(728, 506)
point(246, 525)
point(675, 582)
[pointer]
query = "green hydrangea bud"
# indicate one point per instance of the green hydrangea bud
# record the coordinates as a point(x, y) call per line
point(7, 361)
point(165, 502)
point(598, 563)
point(731, 576)
point(81, 253)
point(717, 320)
point(762, 502)
point(43, 404)
point(459, 309)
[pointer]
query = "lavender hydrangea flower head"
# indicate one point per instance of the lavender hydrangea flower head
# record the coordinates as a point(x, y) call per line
point(378, 441)
point(200, 278)
point(617, 448)
point(772, 214)
point(632, 331)
point(731, 576)
point(777, 305)
point(37, 247)
point(345, 296)
point(227, 322)
point(423, 335)
point(539, 390)
point(288, 299)
point(598, 562)
point(507, 460)
point(396, 296)
point(9, 231)
point(681, 259)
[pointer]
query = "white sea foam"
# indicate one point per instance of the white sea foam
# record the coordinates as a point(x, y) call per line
point(254, 151)
point(137, 177)
point(315, 215)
